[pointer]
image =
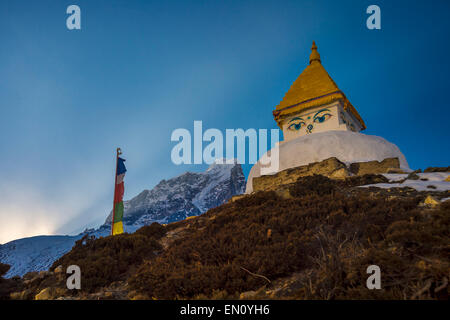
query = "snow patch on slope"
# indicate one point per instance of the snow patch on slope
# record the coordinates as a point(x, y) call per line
point(434, 179)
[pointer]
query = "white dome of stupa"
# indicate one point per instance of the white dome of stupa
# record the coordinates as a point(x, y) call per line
point(347, 146)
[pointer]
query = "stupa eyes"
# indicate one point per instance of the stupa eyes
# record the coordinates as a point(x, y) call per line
point(322, 116)
point(296, 124)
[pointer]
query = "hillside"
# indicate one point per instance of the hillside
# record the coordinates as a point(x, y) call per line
point(189, 194)
point(312, 239)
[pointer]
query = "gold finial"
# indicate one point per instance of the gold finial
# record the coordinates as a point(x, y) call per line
point(315, 56)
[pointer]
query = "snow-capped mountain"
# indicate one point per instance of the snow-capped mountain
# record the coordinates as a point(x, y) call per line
point(187, 195)
point(171, 200)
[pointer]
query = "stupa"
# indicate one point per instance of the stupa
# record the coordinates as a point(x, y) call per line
point(319, 122)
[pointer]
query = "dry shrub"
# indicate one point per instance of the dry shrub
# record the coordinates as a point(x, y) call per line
point(326, 233)
point(105, 260)
point(336, 234)
point(7, 286)
point(437, 169)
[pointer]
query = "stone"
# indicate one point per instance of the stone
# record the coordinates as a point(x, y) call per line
point(332, 168)
point(283, 193)
point(21, 295)
point(30, 275)
point(237, 197)
point(45, 294)
point(386, 166)
point(134, 295)
point(412, 176)
point(395, 170)
point(59, 269)
point(328, 167)
point(247, 295)
point(437, 169)
point(341, 173)
point(431, 201)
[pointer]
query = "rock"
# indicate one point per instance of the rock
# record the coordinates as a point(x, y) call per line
point(447, 179)
point(133, 295)
point(140, 297)
point(437, 169)
point(247, 295)
point(389, 164)
point(283, 193)
point(59, 269)
point(234, 198)
point(45, 294)
point(50, 293)
point(30, 275)
point(341, 173)
point(21, 295)
point(331, 167)
point(412, 176)
point(395, 170)
point(431, 201)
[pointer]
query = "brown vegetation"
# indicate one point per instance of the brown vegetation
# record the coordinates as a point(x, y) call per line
point(106, 260)
point(437, 169)
point(321, 229)
point(7, 285)
point(314, 244)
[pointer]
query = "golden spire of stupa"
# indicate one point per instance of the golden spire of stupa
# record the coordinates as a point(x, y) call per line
point(314, 56)
point(314, 87)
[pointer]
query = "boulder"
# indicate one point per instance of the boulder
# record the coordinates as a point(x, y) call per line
point(22, 295)
point(50, 293)
point(234, 198)
point(389, 165)
point(59, 269)
point(331, 167)
point(30, 275)
point(247, 295)
point(412, 176)
point(431, 201)
point(396, 170)
point(44, 294)
point(437, 169)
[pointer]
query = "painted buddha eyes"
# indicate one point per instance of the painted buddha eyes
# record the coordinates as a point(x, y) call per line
point(296, 124)
point(322, 117)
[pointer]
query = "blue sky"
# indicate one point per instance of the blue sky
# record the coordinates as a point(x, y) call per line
point(137, 70)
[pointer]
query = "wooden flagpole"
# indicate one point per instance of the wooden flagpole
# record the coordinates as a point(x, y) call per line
point(118, 152)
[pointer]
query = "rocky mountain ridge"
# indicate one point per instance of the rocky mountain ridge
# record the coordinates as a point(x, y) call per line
point(188, 194)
